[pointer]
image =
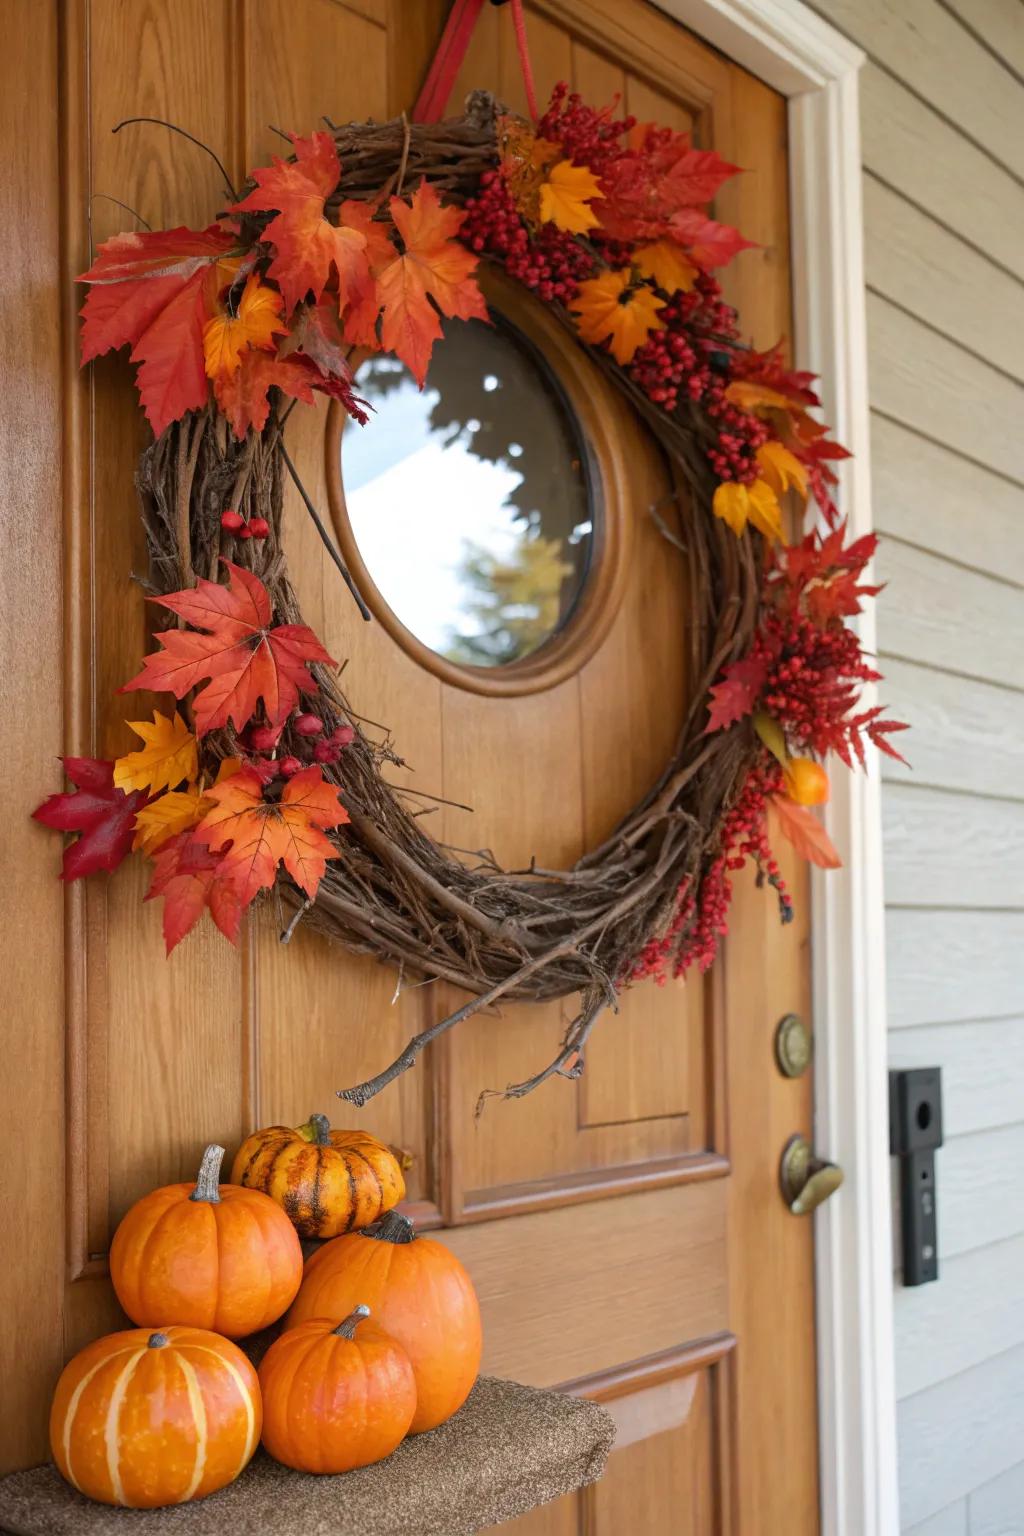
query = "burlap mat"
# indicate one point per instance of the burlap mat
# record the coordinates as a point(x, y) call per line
point(507, 1450)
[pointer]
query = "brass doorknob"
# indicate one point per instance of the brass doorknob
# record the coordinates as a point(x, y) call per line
point(805, 1180)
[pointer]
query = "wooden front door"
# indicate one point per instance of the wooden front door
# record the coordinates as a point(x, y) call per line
point(625, 1232)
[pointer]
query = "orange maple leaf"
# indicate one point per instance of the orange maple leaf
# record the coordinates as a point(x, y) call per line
point(255, 835)
point(612, 307)
point(360, 315)
point(257, 322)
point(434, 266)
point(666, 265)
point(243, 656)
point(244, 396)
point(308, 245)
point(566, 195)
point(802, 828)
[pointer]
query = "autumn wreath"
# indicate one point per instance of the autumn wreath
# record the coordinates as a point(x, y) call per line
point(363, 238)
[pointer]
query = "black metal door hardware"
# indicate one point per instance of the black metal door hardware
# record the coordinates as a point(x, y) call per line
point(915, 1131)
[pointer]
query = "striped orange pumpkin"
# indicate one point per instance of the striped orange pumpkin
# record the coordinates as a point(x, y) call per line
point(208, 1255)
point(328, 1182)
point(144, 1419)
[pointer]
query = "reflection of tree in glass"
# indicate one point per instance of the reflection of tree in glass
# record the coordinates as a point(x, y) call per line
point(512, 605)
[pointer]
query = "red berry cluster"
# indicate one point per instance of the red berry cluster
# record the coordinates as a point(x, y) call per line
point(233, 522)
point(814, 675)
point(550, 262)
point(588, 135)
point(307, 731)
point(699, 925)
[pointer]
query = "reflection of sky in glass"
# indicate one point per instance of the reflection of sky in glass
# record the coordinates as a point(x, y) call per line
point(413, 515)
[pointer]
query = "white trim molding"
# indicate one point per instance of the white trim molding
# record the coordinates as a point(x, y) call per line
point(793, 50)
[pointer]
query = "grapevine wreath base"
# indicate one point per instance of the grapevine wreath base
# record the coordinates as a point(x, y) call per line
point(652, 898)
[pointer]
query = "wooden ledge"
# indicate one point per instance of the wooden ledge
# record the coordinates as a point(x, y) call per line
point(507, 1450)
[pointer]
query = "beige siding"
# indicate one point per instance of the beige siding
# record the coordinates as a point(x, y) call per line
point(943, 145)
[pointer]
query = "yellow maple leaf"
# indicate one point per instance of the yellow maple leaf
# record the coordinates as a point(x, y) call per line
point(566, 196)
point(257, 322)
point(166, 816)
point(665, 264)
point(168, 757)
point(612, 306)
point(524, 162)
point(781, 469)
point(739, 504)
point(756, 398)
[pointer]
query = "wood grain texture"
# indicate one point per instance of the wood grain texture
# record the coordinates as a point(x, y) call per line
point(974, 1313)
point(921, 491)
point(966, 736)
point(32, 1095)
point(944, 966)
point(926, 382)
point(944, 850)
point(997, 1508)
point(924, 157)
point(917, 41)
point(919, 265)
point(982, 1069)
point(938, 613)
point(941, 1462)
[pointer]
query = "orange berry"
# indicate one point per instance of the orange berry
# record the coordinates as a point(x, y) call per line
point(806, 781)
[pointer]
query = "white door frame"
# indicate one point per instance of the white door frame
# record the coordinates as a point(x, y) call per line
point(793, 50)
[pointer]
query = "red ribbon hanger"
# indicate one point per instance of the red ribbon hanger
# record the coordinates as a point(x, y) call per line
point(451, 51)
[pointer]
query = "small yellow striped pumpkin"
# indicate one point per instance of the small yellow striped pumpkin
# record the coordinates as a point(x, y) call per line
point(328, 1182)
point(145, 1418)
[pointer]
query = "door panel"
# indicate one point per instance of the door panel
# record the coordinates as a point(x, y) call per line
point(625, 1232)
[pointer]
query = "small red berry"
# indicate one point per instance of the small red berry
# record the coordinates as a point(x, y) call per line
point(232, 520)
point(259, 528)
point(308, 725)
point(245, 533)
point(343, 736)
point(289, 766)
point(264, 737)
point(324, 752)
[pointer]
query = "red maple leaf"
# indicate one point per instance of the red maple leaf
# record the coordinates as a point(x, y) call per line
point(659, 174)
point(254, 835)
point(243, 656)
point(191, 879)
point(148, 291)
point(308, 245)
point(244, 396)
point(710, 244)
point(737, 694)
point(103, 814)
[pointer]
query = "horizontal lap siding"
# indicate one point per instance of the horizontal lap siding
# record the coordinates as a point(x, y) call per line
point(942, 112)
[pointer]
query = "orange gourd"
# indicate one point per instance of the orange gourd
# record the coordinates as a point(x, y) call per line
point(806, 781)
point(326, 1181)
point(335, 1398)
point(210, 1255)
point(418, 1292)
point(144, 1419)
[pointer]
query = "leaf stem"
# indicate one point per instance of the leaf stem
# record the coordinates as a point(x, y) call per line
point(163, 123)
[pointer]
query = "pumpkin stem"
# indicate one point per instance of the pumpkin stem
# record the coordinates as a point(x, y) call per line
point(157, 1341)
point(208, 1179)
point(346, 1329)
point(392, 1227)
point(317, 1129)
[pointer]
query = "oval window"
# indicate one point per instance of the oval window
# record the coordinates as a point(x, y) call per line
point(469, 501)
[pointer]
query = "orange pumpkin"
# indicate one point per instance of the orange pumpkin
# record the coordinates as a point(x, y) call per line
point(418, 1292)
point(210, 1255)
point(144, 1419)
point(334, 1400)
point(327, 1181)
